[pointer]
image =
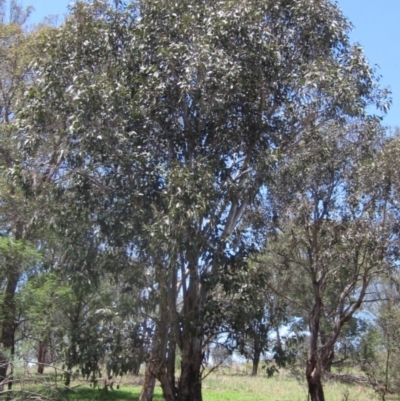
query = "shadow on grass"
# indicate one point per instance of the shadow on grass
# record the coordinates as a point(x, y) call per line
point(125, 394)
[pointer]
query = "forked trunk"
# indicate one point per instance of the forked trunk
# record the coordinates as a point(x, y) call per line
point(189, 387)
point(156, 365)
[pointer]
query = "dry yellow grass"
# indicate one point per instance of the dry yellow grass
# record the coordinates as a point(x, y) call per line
point(281, 387)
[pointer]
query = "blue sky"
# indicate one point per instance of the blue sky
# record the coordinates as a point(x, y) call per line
point(377, 29)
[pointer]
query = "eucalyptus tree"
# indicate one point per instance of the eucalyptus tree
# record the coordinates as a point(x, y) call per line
point(165, 122)
point(333, 232)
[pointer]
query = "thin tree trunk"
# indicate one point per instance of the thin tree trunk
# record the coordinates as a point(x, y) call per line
point(42, 353)
point(67, 375)
point(256, 355)
point(327, 355)
point(328, 362)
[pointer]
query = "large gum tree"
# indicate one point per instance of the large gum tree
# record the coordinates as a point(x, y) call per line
point(164, 121)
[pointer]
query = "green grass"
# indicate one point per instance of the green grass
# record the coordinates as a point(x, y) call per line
point(220, 387)
point(278, 388)
point(227, 384)
point(124, 394)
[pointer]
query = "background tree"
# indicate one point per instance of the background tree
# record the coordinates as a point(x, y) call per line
point(254, 316)
point(17, 50)
point(378, 351)
point(334, 232)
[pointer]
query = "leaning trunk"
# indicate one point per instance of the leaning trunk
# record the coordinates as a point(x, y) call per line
point(327, 365)
point(327, 353)
point(149, 381)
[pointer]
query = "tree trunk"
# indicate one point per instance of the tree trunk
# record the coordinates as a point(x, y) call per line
point(313, 375)
point(256, 362)
point(42, 353)
point(171, 361)
point(72, 356)
point(156, 366)
point(8, 326)
point(328, 362)
point(67, 375)
point(189, 387)
point(328, 353)
point(315, 389)
point(256, 355)
point(3, 370)
point(314, 366)
point(149, 381)
point(165, 380)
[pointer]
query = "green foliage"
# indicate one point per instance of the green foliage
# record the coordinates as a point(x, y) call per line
point(379, 350)
point(163, 135)
point(11, 249)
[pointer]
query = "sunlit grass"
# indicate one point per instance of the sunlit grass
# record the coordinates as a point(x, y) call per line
point(227, 384)
point(278, 388)
point(228, 387)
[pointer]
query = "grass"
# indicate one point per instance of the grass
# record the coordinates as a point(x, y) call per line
point(278, 388)
point(225, 384)
point(228, 387)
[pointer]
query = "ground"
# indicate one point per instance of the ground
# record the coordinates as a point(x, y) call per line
point(232, 386)
point(229, 384)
